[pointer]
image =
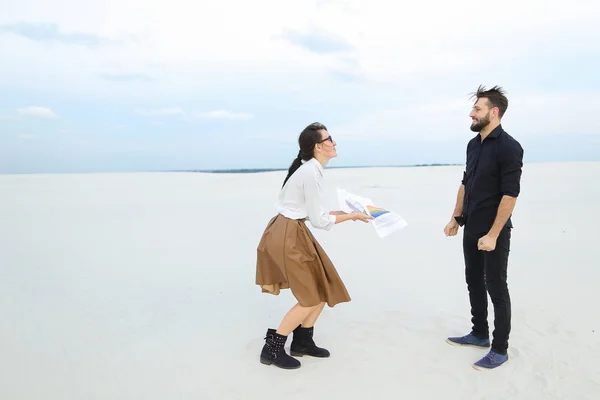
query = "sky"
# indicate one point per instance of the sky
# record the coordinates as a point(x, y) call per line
point(132, 85)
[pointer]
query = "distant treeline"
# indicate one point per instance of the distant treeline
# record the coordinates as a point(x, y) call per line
point(257, 170)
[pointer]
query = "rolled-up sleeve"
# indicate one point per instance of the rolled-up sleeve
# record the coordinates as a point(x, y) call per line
point(511, 167)
point(318, 216)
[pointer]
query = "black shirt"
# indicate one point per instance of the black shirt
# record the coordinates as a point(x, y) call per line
point(493, 169)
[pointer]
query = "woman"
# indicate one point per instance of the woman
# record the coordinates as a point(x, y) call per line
point(289, 257)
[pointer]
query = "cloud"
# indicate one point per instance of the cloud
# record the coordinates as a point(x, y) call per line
point(448, 120)
point(317, 42)
point(563, 112)
point(347, 77)
point(223, 114)
point(265, 43)
point(394, 77)
point(36, 111)
point(49, 32)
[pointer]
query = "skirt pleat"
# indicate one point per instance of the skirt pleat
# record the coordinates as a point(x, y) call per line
point(289, 257)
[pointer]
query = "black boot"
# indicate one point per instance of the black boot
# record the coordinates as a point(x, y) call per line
point(274, 353)
point(303, 344)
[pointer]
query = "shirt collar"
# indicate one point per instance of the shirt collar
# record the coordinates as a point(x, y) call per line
point(317, 164)
point(496, 132)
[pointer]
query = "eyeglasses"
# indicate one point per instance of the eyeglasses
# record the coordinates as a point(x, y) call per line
point(326, 139)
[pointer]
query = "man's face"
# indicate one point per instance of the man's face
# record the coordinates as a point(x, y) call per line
point(480, 114)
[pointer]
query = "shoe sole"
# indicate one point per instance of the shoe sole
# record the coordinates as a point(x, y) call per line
point(267, 362)
point(467, 345)
point(296, 354)
point(478, 368)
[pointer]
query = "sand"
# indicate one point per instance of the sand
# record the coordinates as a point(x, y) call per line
point(141, 286)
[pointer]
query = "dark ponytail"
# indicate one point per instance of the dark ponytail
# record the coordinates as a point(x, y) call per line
point(295, 165)
point(310, 136)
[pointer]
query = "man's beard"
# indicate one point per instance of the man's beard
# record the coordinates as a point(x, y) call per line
point(482, 123)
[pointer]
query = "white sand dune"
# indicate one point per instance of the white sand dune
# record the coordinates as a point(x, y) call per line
point(141, 286)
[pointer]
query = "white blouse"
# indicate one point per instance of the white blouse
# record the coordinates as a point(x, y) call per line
point(302, 196)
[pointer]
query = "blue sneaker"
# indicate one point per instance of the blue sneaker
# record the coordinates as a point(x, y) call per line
point(469, 340)
point(491, 361)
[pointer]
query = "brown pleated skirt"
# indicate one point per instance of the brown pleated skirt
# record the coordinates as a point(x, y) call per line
point(289, 257)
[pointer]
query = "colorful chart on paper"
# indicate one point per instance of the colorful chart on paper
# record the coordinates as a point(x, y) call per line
point(376, 211)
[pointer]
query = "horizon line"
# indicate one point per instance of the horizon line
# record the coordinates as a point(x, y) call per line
point(275, 169)
point(266, 169)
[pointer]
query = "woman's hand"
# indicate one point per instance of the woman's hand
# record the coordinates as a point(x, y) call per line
point(360, 216)
point(341, 216)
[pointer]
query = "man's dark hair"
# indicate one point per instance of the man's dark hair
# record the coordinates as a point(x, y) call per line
point(495, 97)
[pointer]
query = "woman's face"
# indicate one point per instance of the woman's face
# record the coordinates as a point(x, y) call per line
point(326, 147)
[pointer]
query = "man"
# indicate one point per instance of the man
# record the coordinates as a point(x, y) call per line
point(484, 205)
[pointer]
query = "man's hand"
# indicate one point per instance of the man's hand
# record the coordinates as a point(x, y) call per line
point(487, 243)
point(452, 228)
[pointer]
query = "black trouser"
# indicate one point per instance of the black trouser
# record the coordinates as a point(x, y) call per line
point(487, 269)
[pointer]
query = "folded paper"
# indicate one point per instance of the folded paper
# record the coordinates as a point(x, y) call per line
point(384, 221)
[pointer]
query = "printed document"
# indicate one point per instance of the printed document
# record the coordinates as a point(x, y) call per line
point(384, 221)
